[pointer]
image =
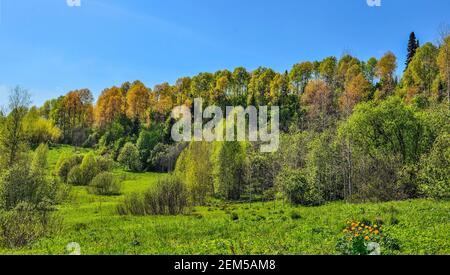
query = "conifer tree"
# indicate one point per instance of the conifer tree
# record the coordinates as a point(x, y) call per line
point(413, 45)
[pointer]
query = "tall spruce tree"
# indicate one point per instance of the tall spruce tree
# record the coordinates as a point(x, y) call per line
point(413, 45)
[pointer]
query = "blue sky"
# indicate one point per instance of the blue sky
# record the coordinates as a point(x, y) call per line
point(51, 48)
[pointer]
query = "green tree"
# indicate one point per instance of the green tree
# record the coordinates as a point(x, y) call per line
point(370, 69)
point(13, 137)
point(195, 169)
point(435, 169)
point(296, 189)
point(259, 86)
point(444, 63)
point(129, 157)
point(300, 75)
point(422, 71)
point(328, 69)
point(228, 160)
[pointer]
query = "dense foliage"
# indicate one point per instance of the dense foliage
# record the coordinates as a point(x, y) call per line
point(350, 130)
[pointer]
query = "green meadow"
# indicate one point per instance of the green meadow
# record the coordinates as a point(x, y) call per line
point(262, 228)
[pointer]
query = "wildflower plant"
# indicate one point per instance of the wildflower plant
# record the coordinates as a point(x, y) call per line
point(361, 238)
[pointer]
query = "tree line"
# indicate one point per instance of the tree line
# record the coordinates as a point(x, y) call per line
point(351, 129)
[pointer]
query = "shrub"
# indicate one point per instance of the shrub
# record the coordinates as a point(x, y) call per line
point(167, 197)
point(89, 168)
point(65, 163)
point(129, 157)
point(132, 205)
point(26, 181)
point(25, 224)
point(296, 189)
point(76, 177)
point(104, 164)
point(105, 184)
point(435, 170)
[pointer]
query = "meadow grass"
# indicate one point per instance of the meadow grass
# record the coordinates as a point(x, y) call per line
point(420, 226)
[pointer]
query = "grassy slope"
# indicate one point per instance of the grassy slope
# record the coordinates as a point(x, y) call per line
point(262, 228)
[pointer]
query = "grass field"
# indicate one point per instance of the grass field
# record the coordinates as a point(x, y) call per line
point(420, 226)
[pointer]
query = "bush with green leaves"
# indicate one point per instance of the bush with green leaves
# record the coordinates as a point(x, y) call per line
point(76, 176)
point(89, 168)
point(168, 197)
point(26, 223)
point(435, 170)
point(104, 163)
point(65, 163)
point(296, 189)
point(129, 157)
point(27, 181)
point(133, 204)
point(380, 144)
point(105, 184)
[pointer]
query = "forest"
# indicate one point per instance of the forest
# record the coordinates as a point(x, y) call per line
point(353, 133)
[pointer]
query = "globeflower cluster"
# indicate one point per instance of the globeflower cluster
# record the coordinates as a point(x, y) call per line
point(367, 232)
point(361, 238)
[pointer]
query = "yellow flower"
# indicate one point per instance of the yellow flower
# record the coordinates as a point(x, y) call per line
point(377, 232)
point(366, 238)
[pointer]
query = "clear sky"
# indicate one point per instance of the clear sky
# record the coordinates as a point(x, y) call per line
point(51, 48)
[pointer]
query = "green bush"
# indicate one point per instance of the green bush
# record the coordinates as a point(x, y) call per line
point(27, 181)
point(435, 170)
point(76, 177)
point(105, 184)
point(89, 168)
point(295, 188)
point(167, 197)
point(27, 223)
point(104, 164)
point(129, 157)
point(65, 163)
point(132, 205)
